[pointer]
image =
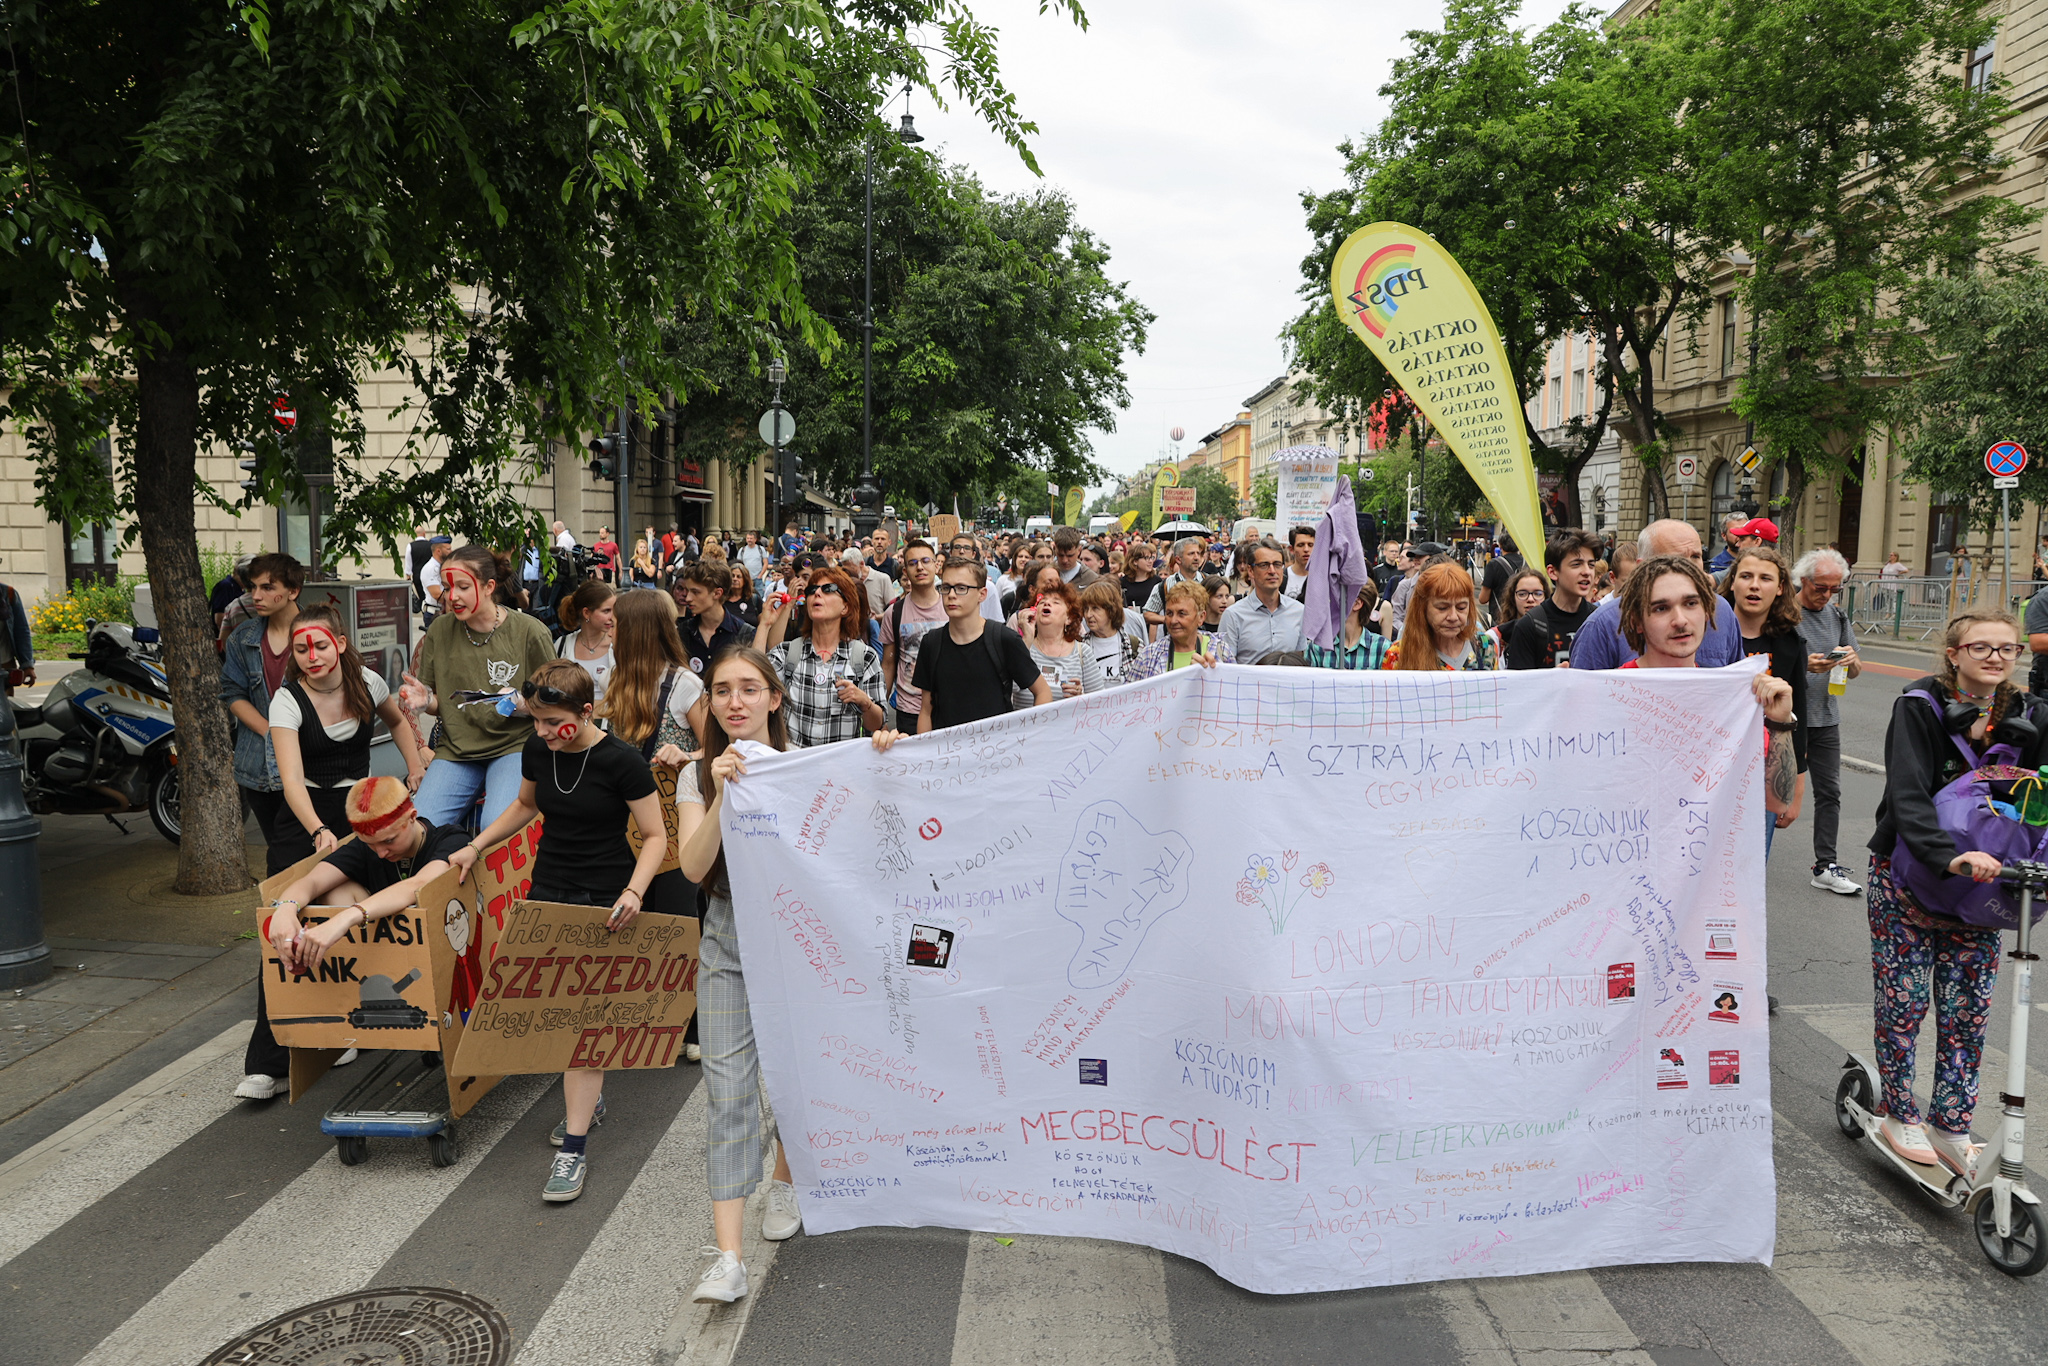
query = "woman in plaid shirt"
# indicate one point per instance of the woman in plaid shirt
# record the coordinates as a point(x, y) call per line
point(829, 671)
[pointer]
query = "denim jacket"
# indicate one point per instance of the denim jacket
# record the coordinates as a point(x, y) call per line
point(241, 680)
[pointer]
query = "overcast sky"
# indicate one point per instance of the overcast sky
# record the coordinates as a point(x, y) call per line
point(1186, 132)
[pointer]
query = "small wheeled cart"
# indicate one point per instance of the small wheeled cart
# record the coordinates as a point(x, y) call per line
point(405, 1095)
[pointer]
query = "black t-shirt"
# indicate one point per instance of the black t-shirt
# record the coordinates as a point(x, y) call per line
point(1539, 636)
point(1788, 661)
point(732, 630)
point(1137, 592)
point(584, 858)
point(373, 874)
point(1495, 580)
point(224, 594)
point(962, 683)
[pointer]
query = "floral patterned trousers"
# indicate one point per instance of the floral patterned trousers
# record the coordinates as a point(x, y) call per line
point(1913, 954)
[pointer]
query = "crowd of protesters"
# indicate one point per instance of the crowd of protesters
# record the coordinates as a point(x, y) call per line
point(666, 648)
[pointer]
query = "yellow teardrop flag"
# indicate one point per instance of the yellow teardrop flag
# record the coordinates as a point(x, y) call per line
point(1128, 520)
point(1408, 299)
point(1075, 497)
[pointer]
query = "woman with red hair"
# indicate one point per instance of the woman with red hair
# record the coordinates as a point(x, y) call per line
point(1442, 625)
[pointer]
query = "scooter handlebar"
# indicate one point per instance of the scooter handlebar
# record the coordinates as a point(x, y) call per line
point(2025, 873)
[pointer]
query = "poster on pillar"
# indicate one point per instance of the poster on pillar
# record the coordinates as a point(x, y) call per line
point(1461, 983)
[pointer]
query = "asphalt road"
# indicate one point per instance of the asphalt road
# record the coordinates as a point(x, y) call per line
point(154, 1237)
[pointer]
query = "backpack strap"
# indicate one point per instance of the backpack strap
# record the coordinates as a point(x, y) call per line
point(1970, 759)
point(648, 746)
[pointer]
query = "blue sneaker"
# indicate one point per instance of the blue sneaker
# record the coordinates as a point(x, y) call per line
point(565, 1178)
point(562, 1130)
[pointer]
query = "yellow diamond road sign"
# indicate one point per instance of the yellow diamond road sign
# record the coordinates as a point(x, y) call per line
point(1749, 459)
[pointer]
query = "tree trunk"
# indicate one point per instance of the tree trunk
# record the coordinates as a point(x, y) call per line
point(211, 858)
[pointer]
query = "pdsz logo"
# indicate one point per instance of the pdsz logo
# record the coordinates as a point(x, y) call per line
point(1394, 285)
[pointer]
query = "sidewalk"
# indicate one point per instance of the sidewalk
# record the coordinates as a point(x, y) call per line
point(133, 957)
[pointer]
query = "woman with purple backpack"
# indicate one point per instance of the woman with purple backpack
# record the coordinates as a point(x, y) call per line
point(1967, 714)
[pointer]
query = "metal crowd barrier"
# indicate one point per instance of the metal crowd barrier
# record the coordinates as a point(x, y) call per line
point(1902, 608)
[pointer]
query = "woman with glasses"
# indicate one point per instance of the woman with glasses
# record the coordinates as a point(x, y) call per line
point(1052, 632)
point(1523, 593)
point(585, 783)
point(477, 645)
point(829, 671)
point(1914, 949)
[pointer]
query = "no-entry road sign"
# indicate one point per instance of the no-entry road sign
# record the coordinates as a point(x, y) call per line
point(2006, 459)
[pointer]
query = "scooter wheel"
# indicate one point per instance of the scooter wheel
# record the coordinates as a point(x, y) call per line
point(351, 1150)
point(442, 1149)
point(2025, 1250)
point(1854, 1086)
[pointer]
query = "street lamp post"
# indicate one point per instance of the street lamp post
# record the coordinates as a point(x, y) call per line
point(867, 495)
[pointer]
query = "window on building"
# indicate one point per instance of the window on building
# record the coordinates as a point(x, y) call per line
point(91, 552)
point(1728, 318)
point(1578, 393)
point(1556, 413)
point(1977, 70)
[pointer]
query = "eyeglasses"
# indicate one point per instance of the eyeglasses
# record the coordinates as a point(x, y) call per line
point(1826, 590)
point(1532, 594)
point(749, 692)
point(831, 588)
point(1984, 649)
point(548, 696)
point(954, 589)
point(1269, 564)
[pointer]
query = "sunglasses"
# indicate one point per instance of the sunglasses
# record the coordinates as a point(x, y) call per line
point(547, 696)
point(831, 588)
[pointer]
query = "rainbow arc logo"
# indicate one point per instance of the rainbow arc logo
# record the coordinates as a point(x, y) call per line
point(1387, 277)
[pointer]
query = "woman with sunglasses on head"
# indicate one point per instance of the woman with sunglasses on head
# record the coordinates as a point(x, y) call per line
point(584, 783)
point(1758, 586)
point(829, 673)
point(1917, 950)
point(476, 645)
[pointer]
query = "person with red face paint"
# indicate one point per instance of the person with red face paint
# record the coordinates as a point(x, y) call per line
point(478, 646)
point(585, 783)
point(320, 726)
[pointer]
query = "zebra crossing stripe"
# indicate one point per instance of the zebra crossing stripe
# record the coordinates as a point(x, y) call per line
point(1062, 1299)
point(44, 1186)
point(324, 1234)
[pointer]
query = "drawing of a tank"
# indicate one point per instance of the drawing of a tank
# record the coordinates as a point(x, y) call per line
point(383, 1007)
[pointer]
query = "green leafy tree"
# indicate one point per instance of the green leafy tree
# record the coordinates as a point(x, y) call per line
point(1990, 384)
point(518, 203)
point(1000, 340)
point(1852, 163)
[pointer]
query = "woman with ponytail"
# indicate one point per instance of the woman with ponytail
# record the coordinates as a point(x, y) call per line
point(1916, 951)
point(480, 645)
point(587, 617)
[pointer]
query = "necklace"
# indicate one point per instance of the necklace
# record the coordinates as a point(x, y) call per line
point(557, 766)
point(308, 686)
point(488, 634)
point(1976, 696)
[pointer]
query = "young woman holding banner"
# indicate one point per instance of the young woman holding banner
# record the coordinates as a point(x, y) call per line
point(585, 783)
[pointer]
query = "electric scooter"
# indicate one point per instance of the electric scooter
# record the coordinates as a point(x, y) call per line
point(2004, 1210)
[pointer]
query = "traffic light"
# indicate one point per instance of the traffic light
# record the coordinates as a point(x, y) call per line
point(791, 475)
point(604, 455)
point(253, 483)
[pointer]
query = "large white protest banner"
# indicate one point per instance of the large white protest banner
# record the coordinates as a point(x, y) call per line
point(1324, 979)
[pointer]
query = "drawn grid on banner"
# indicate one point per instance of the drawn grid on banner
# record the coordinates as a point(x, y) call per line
point(1425, 977)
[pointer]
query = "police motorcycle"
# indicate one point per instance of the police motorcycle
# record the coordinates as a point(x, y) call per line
point(103, 743)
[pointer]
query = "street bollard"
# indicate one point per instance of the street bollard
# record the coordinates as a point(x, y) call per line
point(24, 957)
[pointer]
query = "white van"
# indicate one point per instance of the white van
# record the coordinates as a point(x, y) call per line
point(1040, 525)
point(1102, 526)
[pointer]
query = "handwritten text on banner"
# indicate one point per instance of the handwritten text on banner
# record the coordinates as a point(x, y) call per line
point(1323, 979)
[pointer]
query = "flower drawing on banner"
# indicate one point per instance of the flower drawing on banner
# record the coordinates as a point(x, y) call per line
point(1263, 885)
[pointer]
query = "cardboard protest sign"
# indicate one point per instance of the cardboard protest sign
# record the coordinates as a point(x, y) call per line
point(944, 527)
point(472, 915)
point(373, 989)
point(665, 791)
point(561, 990)
point(1414, 307)
point(1458, 989)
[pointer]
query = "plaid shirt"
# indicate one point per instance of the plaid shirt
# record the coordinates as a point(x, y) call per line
point(1369, 653)
point(816, 715)
point(1157, 658)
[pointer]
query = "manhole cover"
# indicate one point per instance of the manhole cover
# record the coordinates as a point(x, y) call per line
point(399, 1326)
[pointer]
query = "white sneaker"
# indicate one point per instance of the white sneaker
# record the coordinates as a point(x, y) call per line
point(782, 1219)
point(693, 1052)
point(1908, 1141)
point(725, 1282)
point(1835, 878)
point(346, 1058)
point(256, 1086)
point(1956, 1151)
